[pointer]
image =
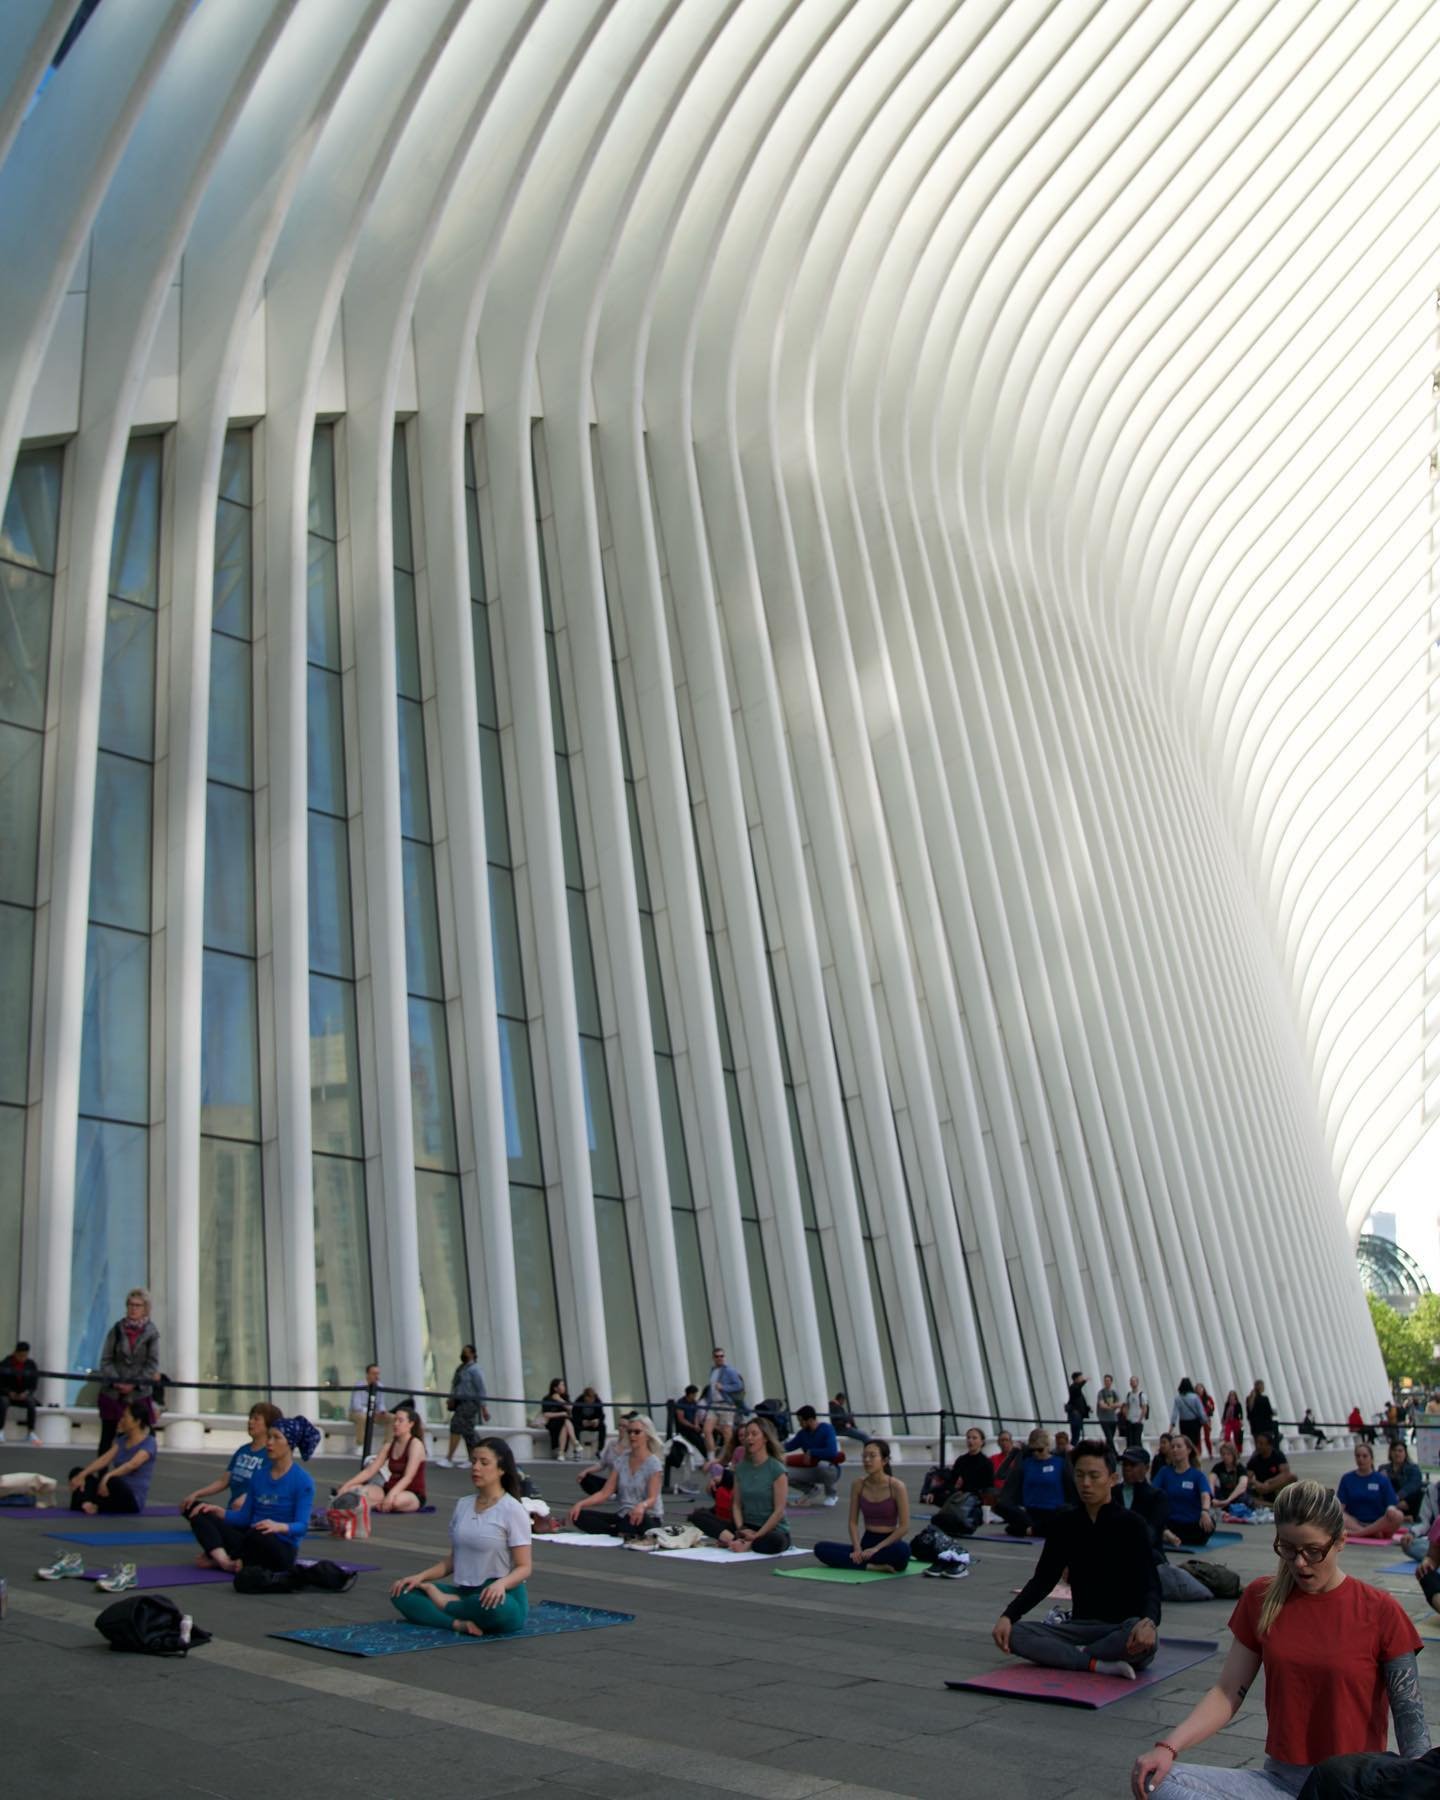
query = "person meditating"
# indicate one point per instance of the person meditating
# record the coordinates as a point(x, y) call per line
point(879, 1518)
point(489, 1559)
point(393, 1481)
point(266, 1527)
point(1371, 1509)
point(244, 1463)
point(1338, 1655)
point(1229, 1482)
point(118, 1481)
point(1115, 1613)
point(1038, 1488)
point(1187, 1489)
point(757, 1510)
point(633, 1484)
point(1268, 1470)
point(969, 1484)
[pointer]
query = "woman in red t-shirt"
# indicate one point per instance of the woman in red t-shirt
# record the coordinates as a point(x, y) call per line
point(1338, 1655)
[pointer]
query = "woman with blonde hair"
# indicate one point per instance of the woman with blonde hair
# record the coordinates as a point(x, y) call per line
point(1338, 1656)
point(632, 1483)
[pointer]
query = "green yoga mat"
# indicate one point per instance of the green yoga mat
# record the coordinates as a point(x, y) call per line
point(854, 1576)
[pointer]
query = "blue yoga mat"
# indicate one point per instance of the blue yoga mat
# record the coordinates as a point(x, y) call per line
point(1401, 1568)
point(1215, 1537)
point(394, 1637)
point(101, 1536)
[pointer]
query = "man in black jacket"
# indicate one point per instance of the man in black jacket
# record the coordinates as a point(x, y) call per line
point(1077, 1407)
point(1113, 1629)
point(19, 1379)
point(1138, 1496)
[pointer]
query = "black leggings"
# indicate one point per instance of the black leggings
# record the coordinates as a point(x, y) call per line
point(263, 1549)
point(1019, 1522)
point(118, 1498)
point(1192, 1532)
point(771, 1544)
point(616, 1524)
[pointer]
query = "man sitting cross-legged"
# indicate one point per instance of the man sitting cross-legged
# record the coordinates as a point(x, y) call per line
point(1113, 1627)
point(1267, 1469)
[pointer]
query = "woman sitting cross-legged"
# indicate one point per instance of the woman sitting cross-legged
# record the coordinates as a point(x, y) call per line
point(243, 1464)
point(1368, 1498)
point(879, 1519)
point(1187, 1488)
point(489, 1557)
point(118, 1480)
point(273, 1515)
point(393, 1481)
point(632, 1486)
point(757, 1520)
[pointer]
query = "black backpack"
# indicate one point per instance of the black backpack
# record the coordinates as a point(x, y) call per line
point(935, 1488)
point(1223, 1583)
point(326, 1577)
point(149, 1624)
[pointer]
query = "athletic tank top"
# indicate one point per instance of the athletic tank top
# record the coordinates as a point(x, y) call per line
point(395, 1471)
point(879, 1515)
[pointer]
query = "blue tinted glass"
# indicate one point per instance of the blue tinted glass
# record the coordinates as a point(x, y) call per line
point(344, 1308)
point(232, 1273)
point(114, 1055)
point(517, 1098)
point(17, 943)
point(229, 1052)
point(599, 1120)
point(430, 1097)
point(325, 741)
point(230, 718)
point(505, 945)
point(235, 482)
point(322, 603)
point(25, 607)
point(229, 870)
point(334, 1070)
point(331, 932)
point(230, 592)
point(30, 524)
point(110, 1252)
point(414, 792)
point(322, 482)
point(400, 503)
point(422, 922)
point(20, 757)
point(407, 638)
point(127, 694)
point(120, 852)
point(135, 547)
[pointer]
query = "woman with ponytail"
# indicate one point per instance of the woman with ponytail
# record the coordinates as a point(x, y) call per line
point(1339, 1662)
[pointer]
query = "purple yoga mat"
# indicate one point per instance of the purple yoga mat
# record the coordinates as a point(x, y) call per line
point(64, 1512)
point(162, 1575)
point(1062, 1687)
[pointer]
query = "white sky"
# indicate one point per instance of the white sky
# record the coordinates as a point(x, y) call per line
point(1414, 1198)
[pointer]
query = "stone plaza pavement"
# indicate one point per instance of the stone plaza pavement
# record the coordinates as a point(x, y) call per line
point(730, 1682)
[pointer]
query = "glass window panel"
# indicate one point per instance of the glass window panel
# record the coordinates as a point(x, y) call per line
point(517, 1098)
point(400, 502)
point(677, 1164)
point(431, 1104)
point(135, 547)
point(505, 944)
point(407, 638)
point(445, 1320)
point(654, 988)
point(229, 749)
point(557, 704)
point(229, 1050)
point(120, 850)
point(109, 1252)
point(492, 783)
point(322, 481)
point(334, 1070)
point(12, 1188)
point(127, 693)
point(599, 1119)
point(887, 1347)
point(21, 753)
point(422, 921)
point(622, 1316)
point(344, 1307)
point(414, 791)
point(114, 1056)
point(722, 1018)
point(229, 869)
point(587, 999)
point(802, 1166)
point(30, 526)
point(744, 1180)
point(484, 667)
point(627, 767)
point(235, 480)
point(475, 556)
point(541, 1352)
point(17, 954)
point(694, 1303)
point(569, 835)
point(332, 946)
point(772, 1377)
point(825, 1316)
point(325, 741)
point(233, 1342)
point(322, 603)
point(232, 584)
point(471, 479)
point(25, 607)
point(637, 850)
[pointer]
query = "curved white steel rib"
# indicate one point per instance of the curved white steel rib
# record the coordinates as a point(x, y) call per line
point(1017, 429)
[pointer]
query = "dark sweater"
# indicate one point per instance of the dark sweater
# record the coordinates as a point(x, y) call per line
point(1111, 1562)
point(971, 1474)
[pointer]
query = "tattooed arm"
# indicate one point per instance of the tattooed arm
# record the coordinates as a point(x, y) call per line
point(1402, 1677)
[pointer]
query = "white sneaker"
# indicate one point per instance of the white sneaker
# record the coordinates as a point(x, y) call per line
point(830, 1500)
point(439, 1462)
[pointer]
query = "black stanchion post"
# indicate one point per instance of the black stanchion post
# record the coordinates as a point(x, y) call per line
point(371, 1391)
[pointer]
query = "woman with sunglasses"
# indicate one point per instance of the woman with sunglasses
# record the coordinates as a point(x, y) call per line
point(633, 1484)
point(1338, 1655)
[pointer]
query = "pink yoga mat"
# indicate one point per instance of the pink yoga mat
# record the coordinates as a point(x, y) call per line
point(1379, 1543)
point(162, 1575)
point(1061, 1687)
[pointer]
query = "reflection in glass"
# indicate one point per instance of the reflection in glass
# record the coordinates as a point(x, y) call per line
point(587, 998)
point(17, 945)
point(677, 1164)
point(694, 1303)
point(232, 1273)
point(20, 758)
point(334, 1069)
point(445, 1322)
point(25, 605)
point(120, 852)
point(407, 638)
point(135, 546)
point(505, 944)
point(434, 1120)
point(492, 783)
point(230, 591)
point(235, 478)
point(230, 757)
point(325, 742)
point(599, 1120)
point(517, 1098)
point(322, 637)
point(229, 869)
point(422, 921)
point(771, 1375)
point(127, 695)
point(344, 1308)
point(322, 482)
point(29, 529)
point(229, 1051)
point(414, 795)
point(331, 938)
point(540, 1355)
point(622, 1319)
point(115, 1053)
point(110, 1253)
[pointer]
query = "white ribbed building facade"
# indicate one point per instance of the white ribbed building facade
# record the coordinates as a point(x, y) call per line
point(680, 672)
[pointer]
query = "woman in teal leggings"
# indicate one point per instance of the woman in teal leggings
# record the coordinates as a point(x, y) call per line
point(489, 1560)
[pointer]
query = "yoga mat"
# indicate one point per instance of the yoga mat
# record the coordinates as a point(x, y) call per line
point(1001, 1537)
point(853, 1577)
point(159, 1575)
point(1062, 1687)
point(64, 1512)
point(1215, 1537)
point(1401, 1568)
point(122, 1537)
point(393, 1637)
point(712, 1553)
point(1375, 1543)
point(592, 1540)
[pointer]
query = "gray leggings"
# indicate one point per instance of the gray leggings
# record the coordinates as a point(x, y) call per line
point(1276, 1781)
point(1075, 1644)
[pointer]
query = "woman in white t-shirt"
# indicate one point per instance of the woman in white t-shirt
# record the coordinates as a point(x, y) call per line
point(489, 1556)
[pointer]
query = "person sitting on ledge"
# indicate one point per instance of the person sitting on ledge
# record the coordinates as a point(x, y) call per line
point(393, 1481)
point(879, 1519)
point(1368, 1498)
point(490, 1556)
point(118, 1480)
point(634, 1484)
point(1408, 1480)
point(761, 1490)
point(1115, 1617)
point(1268, 1470)
point(1188, 1490)
point(810, 1456)
point(1308, 1428)
point(266, 1528)
point(245, 1463)
point(843, 1420)
point(1040, 1486)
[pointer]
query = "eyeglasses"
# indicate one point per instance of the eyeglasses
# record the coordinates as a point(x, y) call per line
point(1309, 1554)
point(634, 1431)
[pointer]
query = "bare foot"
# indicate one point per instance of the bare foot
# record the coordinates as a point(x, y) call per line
point(229, 1564)
point(202, 1561)
point(90, 1507)
point(468, 1628)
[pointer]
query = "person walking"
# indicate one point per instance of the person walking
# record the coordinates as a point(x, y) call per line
point(129, 1363)
point(1077, 1407)
point(724, 1402)
point(479, 1587)
point(1338, 1655)
point(1134, 1411)
point(1187, 1411)
point(1107, 1409)
point(879, 1519)
point(1261, 1414)
point(1207, 1400)
point(468, 1411)
point(1232, 1421)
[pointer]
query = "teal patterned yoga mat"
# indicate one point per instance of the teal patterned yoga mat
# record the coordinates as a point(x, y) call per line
point(394, 1637)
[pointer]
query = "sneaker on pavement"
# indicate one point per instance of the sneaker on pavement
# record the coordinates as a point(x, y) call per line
point(120, 1579)
point(68, 1567)
point(830, 1500)
point(1057, 1615)
point(439, 1462)
point(949, 1567)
